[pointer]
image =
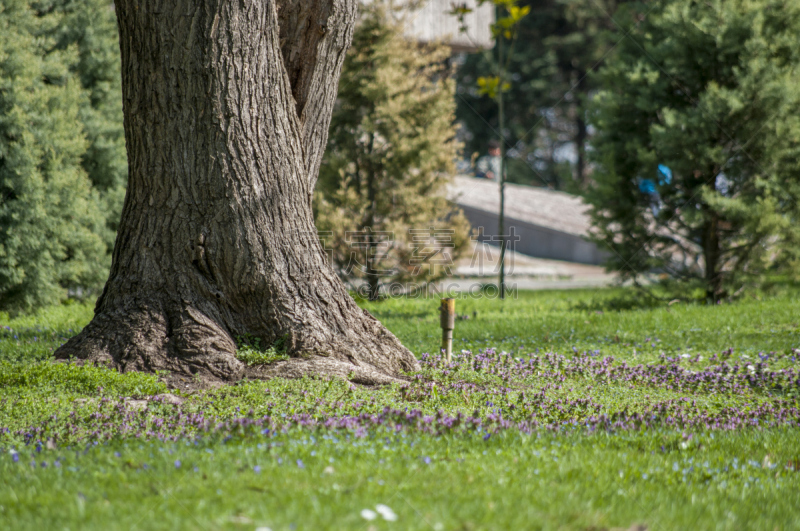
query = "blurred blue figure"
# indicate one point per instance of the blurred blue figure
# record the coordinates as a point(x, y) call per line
point(648, 188)
point(664, 175)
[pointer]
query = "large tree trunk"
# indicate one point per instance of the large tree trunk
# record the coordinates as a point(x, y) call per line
point(227, 107)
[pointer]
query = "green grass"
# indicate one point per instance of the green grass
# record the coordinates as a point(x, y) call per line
point(206, 464)
point(553, 321)
point(511, 482)
point(558, 321)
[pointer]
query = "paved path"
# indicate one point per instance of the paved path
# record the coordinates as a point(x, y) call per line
point(525, 272)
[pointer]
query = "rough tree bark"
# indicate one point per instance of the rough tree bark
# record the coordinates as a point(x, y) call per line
point(227, 107)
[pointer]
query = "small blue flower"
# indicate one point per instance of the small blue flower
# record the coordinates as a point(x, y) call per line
point(257, 469)
point(427, 460)
point(177, 463)
point(300, 464)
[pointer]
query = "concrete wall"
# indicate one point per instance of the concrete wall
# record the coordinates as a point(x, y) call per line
point(537, 241)
point(431, 22)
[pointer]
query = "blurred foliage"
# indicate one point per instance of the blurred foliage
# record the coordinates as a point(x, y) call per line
point(90, 27)
point(560, 42)
point(53, 224)
point(380, 205)
point(711, 91)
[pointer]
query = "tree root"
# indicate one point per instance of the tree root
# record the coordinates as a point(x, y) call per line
point(324, 367)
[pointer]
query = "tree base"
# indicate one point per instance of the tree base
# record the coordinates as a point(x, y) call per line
point(196, 353)
point(323, 367)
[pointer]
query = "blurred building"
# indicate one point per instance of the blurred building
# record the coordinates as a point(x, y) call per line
point(432, 21)
point(546, 223)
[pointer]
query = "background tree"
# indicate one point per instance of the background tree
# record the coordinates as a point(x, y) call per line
point(710, 91)
point(391, 151)
point(90, 27)
point(505, 30)
point(559, 43)
point(51, 221)
point(227, 107)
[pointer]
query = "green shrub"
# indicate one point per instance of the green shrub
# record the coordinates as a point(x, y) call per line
point(390, 154)
point(250, 351)
point(51, 220)
point(709, 90)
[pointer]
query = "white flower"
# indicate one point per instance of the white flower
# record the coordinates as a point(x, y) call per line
point(386, 512)
point(751, 368)
point(685, 356)
point(366, 514)
point(263, 529)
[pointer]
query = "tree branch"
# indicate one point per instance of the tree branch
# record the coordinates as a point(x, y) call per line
point(314, 38)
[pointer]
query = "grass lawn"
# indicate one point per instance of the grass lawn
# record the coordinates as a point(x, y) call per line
point(561, 410)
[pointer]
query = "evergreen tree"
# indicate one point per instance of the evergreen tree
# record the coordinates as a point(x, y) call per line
point(697, 142)
point(91, 27)
point(380, 205)
point(51, 220)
